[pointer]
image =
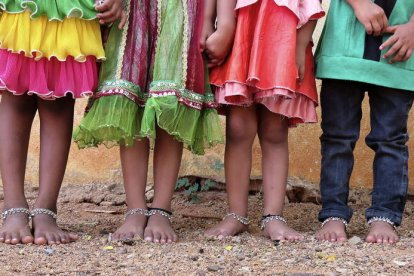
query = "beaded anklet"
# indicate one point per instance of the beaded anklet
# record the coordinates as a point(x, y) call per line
point(243, 220)
point(268, 218)
point(14, 211)
point(335, 219)
point(159, 211)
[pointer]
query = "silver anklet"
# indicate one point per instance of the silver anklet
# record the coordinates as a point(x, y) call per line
point(382, 219)
point(335, 219)
point(159, 211)
point(268, 218)
point(13, 211)
point(42, 211)
point(137, 211)
point(243, 220)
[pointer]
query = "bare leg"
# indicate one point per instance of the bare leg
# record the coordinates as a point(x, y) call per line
point(167, 160)
point(273, 135)
point(16, 117)
point(56, 123)
point(135, 169)
point(241, 131)
point(382, 232)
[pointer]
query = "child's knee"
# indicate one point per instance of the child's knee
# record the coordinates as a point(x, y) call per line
point(274, 133)
point(240, 130)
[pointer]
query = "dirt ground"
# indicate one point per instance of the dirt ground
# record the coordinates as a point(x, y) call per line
point(93, 217)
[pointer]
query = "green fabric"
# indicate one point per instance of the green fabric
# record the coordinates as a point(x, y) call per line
point(196, 129)
point(341, 49)
point(53, 9)
point(111, 121)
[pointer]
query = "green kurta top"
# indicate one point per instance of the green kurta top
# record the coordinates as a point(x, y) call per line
point(346, 52)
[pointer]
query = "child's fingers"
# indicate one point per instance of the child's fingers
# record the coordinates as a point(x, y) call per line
point(368, 28)
point(107, 14)
point(393, 50)
point(376, 27)
point(390, 41)
point(400, 55)
point(390, 29)
point(111, 19)
point(408, 55)
point(103, 6)
point(384, 21)
point(301, 73)
point(123, 20)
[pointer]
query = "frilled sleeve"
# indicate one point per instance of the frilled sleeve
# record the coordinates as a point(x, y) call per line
point(305, 10)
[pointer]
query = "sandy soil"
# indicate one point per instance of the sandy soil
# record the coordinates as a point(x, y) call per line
point(248, 254)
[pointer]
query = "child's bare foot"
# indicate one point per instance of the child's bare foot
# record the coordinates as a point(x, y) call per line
point(159, 229)
point(46, 230)
point(382, 232)
point(16, 229)
point(278, 230)
point(229, 227)
point(133, 226)
point(332, 231)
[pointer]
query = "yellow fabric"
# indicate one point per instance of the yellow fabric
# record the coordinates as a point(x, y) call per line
point(41, 38)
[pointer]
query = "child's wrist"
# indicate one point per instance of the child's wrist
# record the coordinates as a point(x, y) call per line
point(227, 24)
point(355, 3)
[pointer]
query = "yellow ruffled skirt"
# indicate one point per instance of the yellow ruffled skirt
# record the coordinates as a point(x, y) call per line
point(41, 38)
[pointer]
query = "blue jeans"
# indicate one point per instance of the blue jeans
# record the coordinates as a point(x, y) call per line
point(341, 115)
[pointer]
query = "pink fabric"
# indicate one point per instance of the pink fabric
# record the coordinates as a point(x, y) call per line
point(49, 79)
point(305, 10)
point(295, 106)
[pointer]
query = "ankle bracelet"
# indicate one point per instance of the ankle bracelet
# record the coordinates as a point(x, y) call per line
point(13, 211)
point(243, 220)
point(335, 219)
point(268, 218)
point(136, 211)
point(42, 211)
point(381, 219)
point(159, 211)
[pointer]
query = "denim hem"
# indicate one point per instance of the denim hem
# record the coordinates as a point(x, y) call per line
point(396, 219)
point(325, 214)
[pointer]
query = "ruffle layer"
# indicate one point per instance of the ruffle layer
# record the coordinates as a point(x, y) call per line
point(49, 79)
point(116, 119)
point(52, 9)
point(197, 129)
point(305, 10)
point(111, 121)
point(51, 39)
point(297, 107)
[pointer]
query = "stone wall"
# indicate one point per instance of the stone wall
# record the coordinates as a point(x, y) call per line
point(102, 165)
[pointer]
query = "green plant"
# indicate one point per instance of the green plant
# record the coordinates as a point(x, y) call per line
point(191, 189)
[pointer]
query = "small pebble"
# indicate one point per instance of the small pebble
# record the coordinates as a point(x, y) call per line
point(122, 250)
point(49, 251)
point(355, 240)
point(214, 268)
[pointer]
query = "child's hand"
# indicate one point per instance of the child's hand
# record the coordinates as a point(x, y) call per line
point(301, 60)
point(370, 15)
point(218, 46)
point(401, 43)
point(208, 30)
point(110, 11)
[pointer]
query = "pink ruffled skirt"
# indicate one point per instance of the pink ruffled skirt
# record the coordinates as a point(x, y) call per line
point(261, 69)
point(48, 79)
